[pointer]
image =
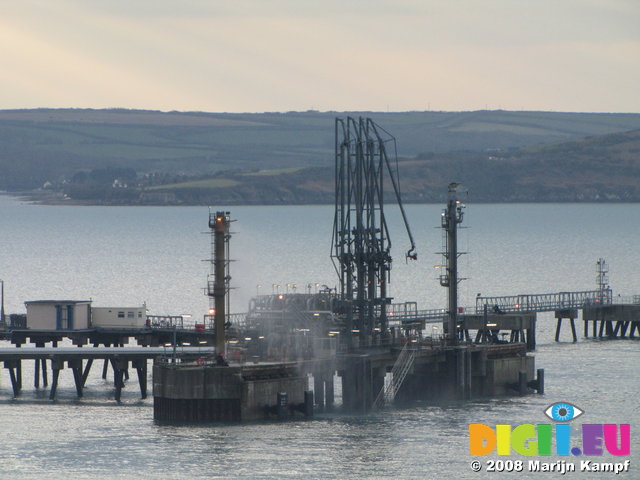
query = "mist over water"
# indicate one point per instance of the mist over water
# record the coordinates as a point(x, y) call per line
point(124, 256)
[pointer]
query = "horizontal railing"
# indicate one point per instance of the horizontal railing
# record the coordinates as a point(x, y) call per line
point(416, 316)
point(544, 302)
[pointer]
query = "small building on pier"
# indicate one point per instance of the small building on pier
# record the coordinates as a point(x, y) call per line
point(119, 317)
point(58, 314)
point(80, 315)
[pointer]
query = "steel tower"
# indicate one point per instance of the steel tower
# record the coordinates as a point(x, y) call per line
point(361, 246)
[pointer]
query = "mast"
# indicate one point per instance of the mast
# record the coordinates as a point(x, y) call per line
point(451, 218)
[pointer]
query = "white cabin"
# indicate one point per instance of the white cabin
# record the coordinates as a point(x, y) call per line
point(119, 317)
point(58, 314)
point(80, 315)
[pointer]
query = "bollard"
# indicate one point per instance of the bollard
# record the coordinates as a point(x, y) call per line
point(522, 383)
point(541, 381)
point(282, 404)
point(308, 403)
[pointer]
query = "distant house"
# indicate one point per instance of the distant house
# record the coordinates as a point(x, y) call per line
point(80, 315)
point(58, 314)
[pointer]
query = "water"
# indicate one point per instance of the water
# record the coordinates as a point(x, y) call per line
point(124, 256)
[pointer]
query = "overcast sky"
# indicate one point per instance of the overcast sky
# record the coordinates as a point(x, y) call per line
point(279, 55)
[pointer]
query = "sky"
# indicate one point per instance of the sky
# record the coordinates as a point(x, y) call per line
point(327, 55)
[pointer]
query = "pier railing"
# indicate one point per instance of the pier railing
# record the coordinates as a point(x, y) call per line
point(626, 300)
point(166, 321)
point(544, 302)
point(434, 315)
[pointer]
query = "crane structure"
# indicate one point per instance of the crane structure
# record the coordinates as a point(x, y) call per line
point(361, 245)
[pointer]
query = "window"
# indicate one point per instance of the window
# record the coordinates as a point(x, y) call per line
point(129, 314)
point(120, 314)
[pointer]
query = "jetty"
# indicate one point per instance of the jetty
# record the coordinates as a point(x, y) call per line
point(286, 355)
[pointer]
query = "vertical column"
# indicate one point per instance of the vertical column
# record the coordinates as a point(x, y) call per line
point(219, 224)
point(45, 381)
point(141, 368)
point(467, 371)
point(76, 368)
point(573, 329)
point(329, 391)
point(56, 366)
point(318, 390)
point(558, 327)
point(356, 385)
point(11, 365)
point(87, 369)
point(36, 374)
point(586, 326)
point(531, 334)
point(377, 381)
point(119, 366)
point(460, 373)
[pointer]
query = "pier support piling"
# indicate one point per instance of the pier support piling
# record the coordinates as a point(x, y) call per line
point(87, 369)
point(571, 315)
point(357, 393)
point(119, 367)
point(141, 368)
point(45, 380)
point(12, 366)
point(19, 374)
point(329, 392)
point(56, 366)
point(522, 383)
point(76, 368)
point(318, 390)
point(105, 368)
point(541, 381)
point(36, 374)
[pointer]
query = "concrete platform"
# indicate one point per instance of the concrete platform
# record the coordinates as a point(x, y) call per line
point(194, 393)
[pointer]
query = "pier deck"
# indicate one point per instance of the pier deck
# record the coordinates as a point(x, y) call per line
point(119, 358)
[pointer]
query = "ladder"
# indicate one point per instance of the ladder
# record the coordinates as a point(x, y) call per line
point(401, 367)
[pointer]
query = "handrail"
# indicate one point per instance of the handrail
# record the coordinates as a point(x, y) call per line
point(544, 302)
point(401, 367)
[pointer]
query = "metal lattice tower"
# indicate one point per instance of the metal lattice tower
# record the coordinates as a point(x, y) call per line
point(361, 246)
point(602, 279)
point(219, 278)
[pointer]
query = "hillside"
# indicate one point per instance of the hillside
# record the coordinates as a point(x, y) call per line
point(602, 168)
point(38, 146)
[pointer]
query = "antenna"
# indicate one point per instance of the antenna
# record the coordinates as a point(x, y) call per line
point(602, 279)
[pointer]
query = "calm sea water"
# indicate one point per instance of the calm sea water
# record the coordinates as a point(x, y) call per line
point(124, 256)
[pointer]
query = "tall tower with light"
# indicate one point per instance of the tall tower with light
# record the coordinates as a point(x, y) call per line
point(451, 218)
point(219, 279)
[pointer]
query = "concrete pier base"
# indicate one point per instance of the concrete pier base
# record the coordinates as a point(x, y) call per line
point(439, 374)
point(208, 393)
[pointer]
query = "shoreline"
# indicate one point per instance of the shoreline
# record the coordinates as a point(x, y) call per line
point(56, 199)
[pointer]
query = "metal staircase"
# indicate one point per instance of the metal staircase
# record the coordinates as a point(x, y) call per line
point(401, 367)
